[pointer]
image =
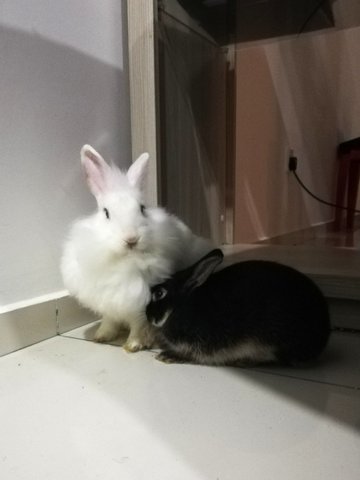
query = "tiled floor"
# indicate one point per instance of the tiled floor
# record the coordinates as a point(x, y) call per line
point(73, 409)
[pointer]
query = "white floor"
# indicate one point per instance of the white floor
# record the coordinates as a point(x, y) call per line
point(73, 409)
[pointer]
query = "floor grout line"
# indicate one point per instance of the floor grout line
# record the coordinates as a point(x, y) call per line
point(320, 382)
point(3, 355)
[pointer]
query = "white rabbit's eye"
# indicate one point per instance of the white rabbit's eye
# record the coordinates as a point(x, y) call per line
point(143, 209)
point(158, 294)
point(107, 214)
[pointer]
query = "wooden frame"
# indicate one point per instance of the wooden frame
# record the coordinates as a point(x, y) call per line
point(142, 16)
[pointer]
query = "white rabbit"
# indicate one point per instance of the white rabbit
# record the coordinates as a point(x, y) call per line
point(112, 257)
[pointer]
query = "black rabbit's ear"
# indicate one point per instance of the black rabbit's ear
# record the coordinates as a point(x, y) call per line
point(200, 272)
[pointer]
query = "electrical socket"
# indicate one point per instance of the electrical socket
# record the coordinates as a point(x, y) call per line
point(292, 162)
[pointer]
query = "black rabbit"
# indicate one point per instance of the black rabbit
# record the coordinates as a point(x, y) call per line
point(248, 313)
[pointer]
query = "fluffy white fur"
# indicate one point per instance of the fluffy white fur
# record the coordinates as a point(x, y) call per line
point(103, 271)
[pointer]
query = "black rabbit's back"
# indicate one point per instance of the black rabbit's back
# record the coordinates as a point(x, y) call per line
point(260, 301)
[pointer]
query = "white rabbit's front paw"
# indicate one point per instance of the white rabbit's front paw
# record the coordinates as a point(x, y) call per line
point(107, 331)
point(141, 341)
point(134, 345)
point(141, 336)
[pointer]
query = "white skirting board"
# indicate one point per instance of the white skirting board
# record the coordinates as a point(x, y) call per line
point(36, 322)
point(33, 322)
point(24, 324)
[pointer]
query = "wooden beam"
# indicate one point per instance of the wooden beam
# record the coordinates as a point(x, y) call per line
point(142, 18)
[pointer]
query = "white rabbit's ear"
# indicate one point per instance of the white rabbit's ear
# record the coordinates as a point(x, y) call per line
point(95, 168)
point(138, 170)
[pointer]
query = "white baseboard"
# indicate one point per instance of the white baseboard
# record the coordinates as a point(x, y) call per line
point(35, 321)
point(70, 315)
point(24, 326)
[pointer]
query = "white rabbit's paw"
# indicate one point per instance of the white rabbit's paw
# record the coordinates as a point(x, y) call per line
point(133, 345)
point(106, 333)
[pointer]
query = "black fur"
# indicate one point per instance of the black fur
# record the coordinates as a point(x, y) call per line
point(272, 304)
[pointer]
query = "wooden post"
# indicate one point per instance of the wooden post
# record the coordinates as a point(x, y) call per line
point(142, 17)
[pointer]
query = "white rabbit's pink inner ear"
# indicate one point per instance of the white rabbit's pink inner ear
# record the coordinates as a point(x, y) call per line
point(138, 170)
point(95, 169)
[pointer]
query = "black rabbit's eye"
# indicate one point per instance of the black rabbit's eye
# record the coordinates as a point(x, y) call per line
point(143, 209)
point(107, 214)
point(158, 294)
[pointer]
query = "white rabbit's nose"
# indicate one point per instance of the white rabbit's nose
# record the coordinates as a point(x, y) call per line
point(131, 241)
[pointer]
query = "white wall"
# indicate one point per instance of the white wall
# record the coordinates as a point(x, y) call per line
point(301, 93)
point(63, 83)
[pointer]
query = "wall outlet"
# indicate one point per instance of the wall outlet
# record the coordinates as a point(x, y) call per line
point(292, 163)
